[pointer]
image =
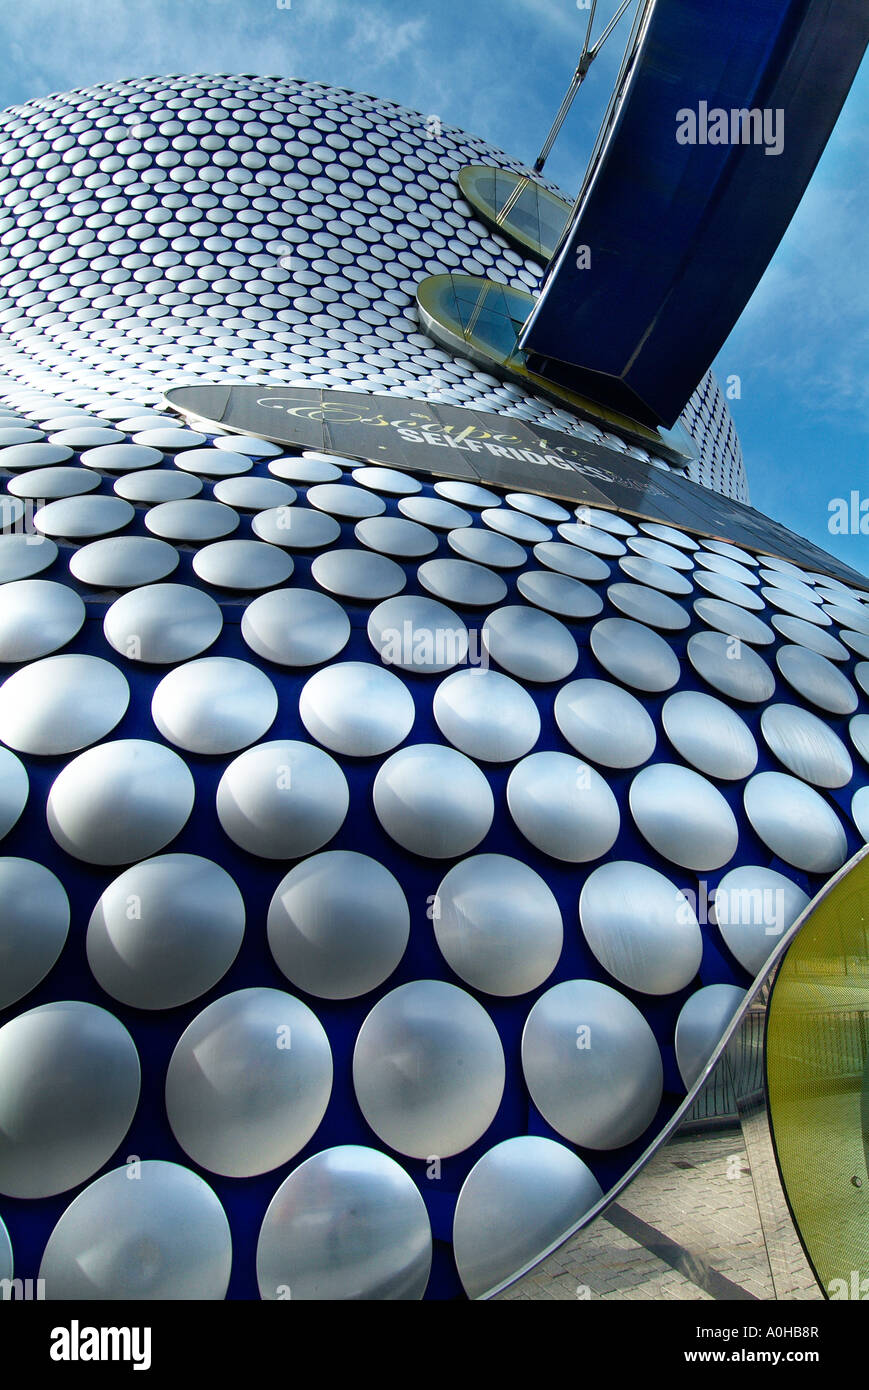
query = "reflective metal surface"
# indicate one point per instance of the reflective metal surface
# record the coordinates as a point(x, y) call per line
point(487, 548)
point(731, 667)
point(460, 581)
point(338, 924)
point(516, 1200)
point(282, 800)
point(560, 594)
point(123, 562)
point(816, 679)
point(563, 807)
point(683, 816)
point(163, 1236)
point(754, 907)
point(428, 1069)
point(216, 705)
point(82, 517)
point(393, 535)
point(709, 735)
point(701, 1024)
point(640, 927)
point(418, 634)
point(56, 1127)
point(34, 920)
point(357, 708)
point(345, 501)
point(806, 745)
point(486, 715)
point(529, 644)
point(605, 723)
point(348, 1223)
point(592, 1064)
point(498, 925)
point(657, 576)
point(249, 1082)
point(14, 790)
point(634, 654)
point(571, 560)
point(165, 931)
point(195, 520)
point(120, 801)
point(242, 565)
point(811, 636)
point(295, 627)
point(24, 555)
point(734, 620)
point(36, 617)
point(795, 822)
point(162, 623)
point(61, 704)
point(433, 801)
point(159, 486)
point(297, 528)
point(648, 606)
point(358, 574)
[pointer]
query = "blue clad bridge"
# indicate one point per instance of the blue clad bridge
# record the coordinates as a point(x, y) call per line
point(675, 222)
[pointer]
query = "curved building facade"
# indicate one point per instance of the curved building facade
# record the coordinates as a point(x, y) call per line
point(385, 845)
point(168, 229)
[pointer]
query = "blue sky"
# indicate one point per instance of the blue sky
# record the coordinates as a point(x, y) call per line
point(498, 68)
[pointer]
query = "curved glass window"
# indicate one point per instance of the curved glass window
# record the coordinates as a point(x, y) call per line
point(481, 320)
point(521, 209)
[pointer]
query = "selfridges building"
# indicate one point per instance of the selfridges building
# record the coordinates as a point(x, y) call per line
point(376, 727)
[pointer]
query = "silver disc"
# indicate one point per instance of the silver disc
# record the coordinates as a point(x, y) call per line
point(215, 705)
point(517, 1200)
point(810, 635)
point(191, 520)
point(795, 822)
point(701, 1024)
point(34, 921)
point(356, 708)
point(345, 501)
point(529, 644)
point(605, 723)
point(649, 606)
point(156, 1231)
point(428, 1069)
point(563, 807)
point(161, 624)
point(805, 745)
point(655, 575)
point(120, 802)
point(57, 1127)
point(731, 666)
point(592, 1064)
point(571, 560)
point(418, 634)
point(249, 1082)
point(338, 924)
point(14, 790)
point(61, 704)
point(358, 574)
point(560, 594)
point(23, 555)
point(162, 485)
point(296, 528)
point(753, 907)
point(683, 816)
point(709, 735)
point(487, 548)
point(282, 800)
point(242, 564)
point(486, 715)
point(165, 931)
point(78, 518)
point(36, 617)
point(433, 801)
point(123, 562)
point(817, 679)
point(393, 535)
point(460, 581)
point(640, 927)
point(498, 925)
point(295, 627)
point(634, 654)
point(734, 620)
point(348, 1223)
